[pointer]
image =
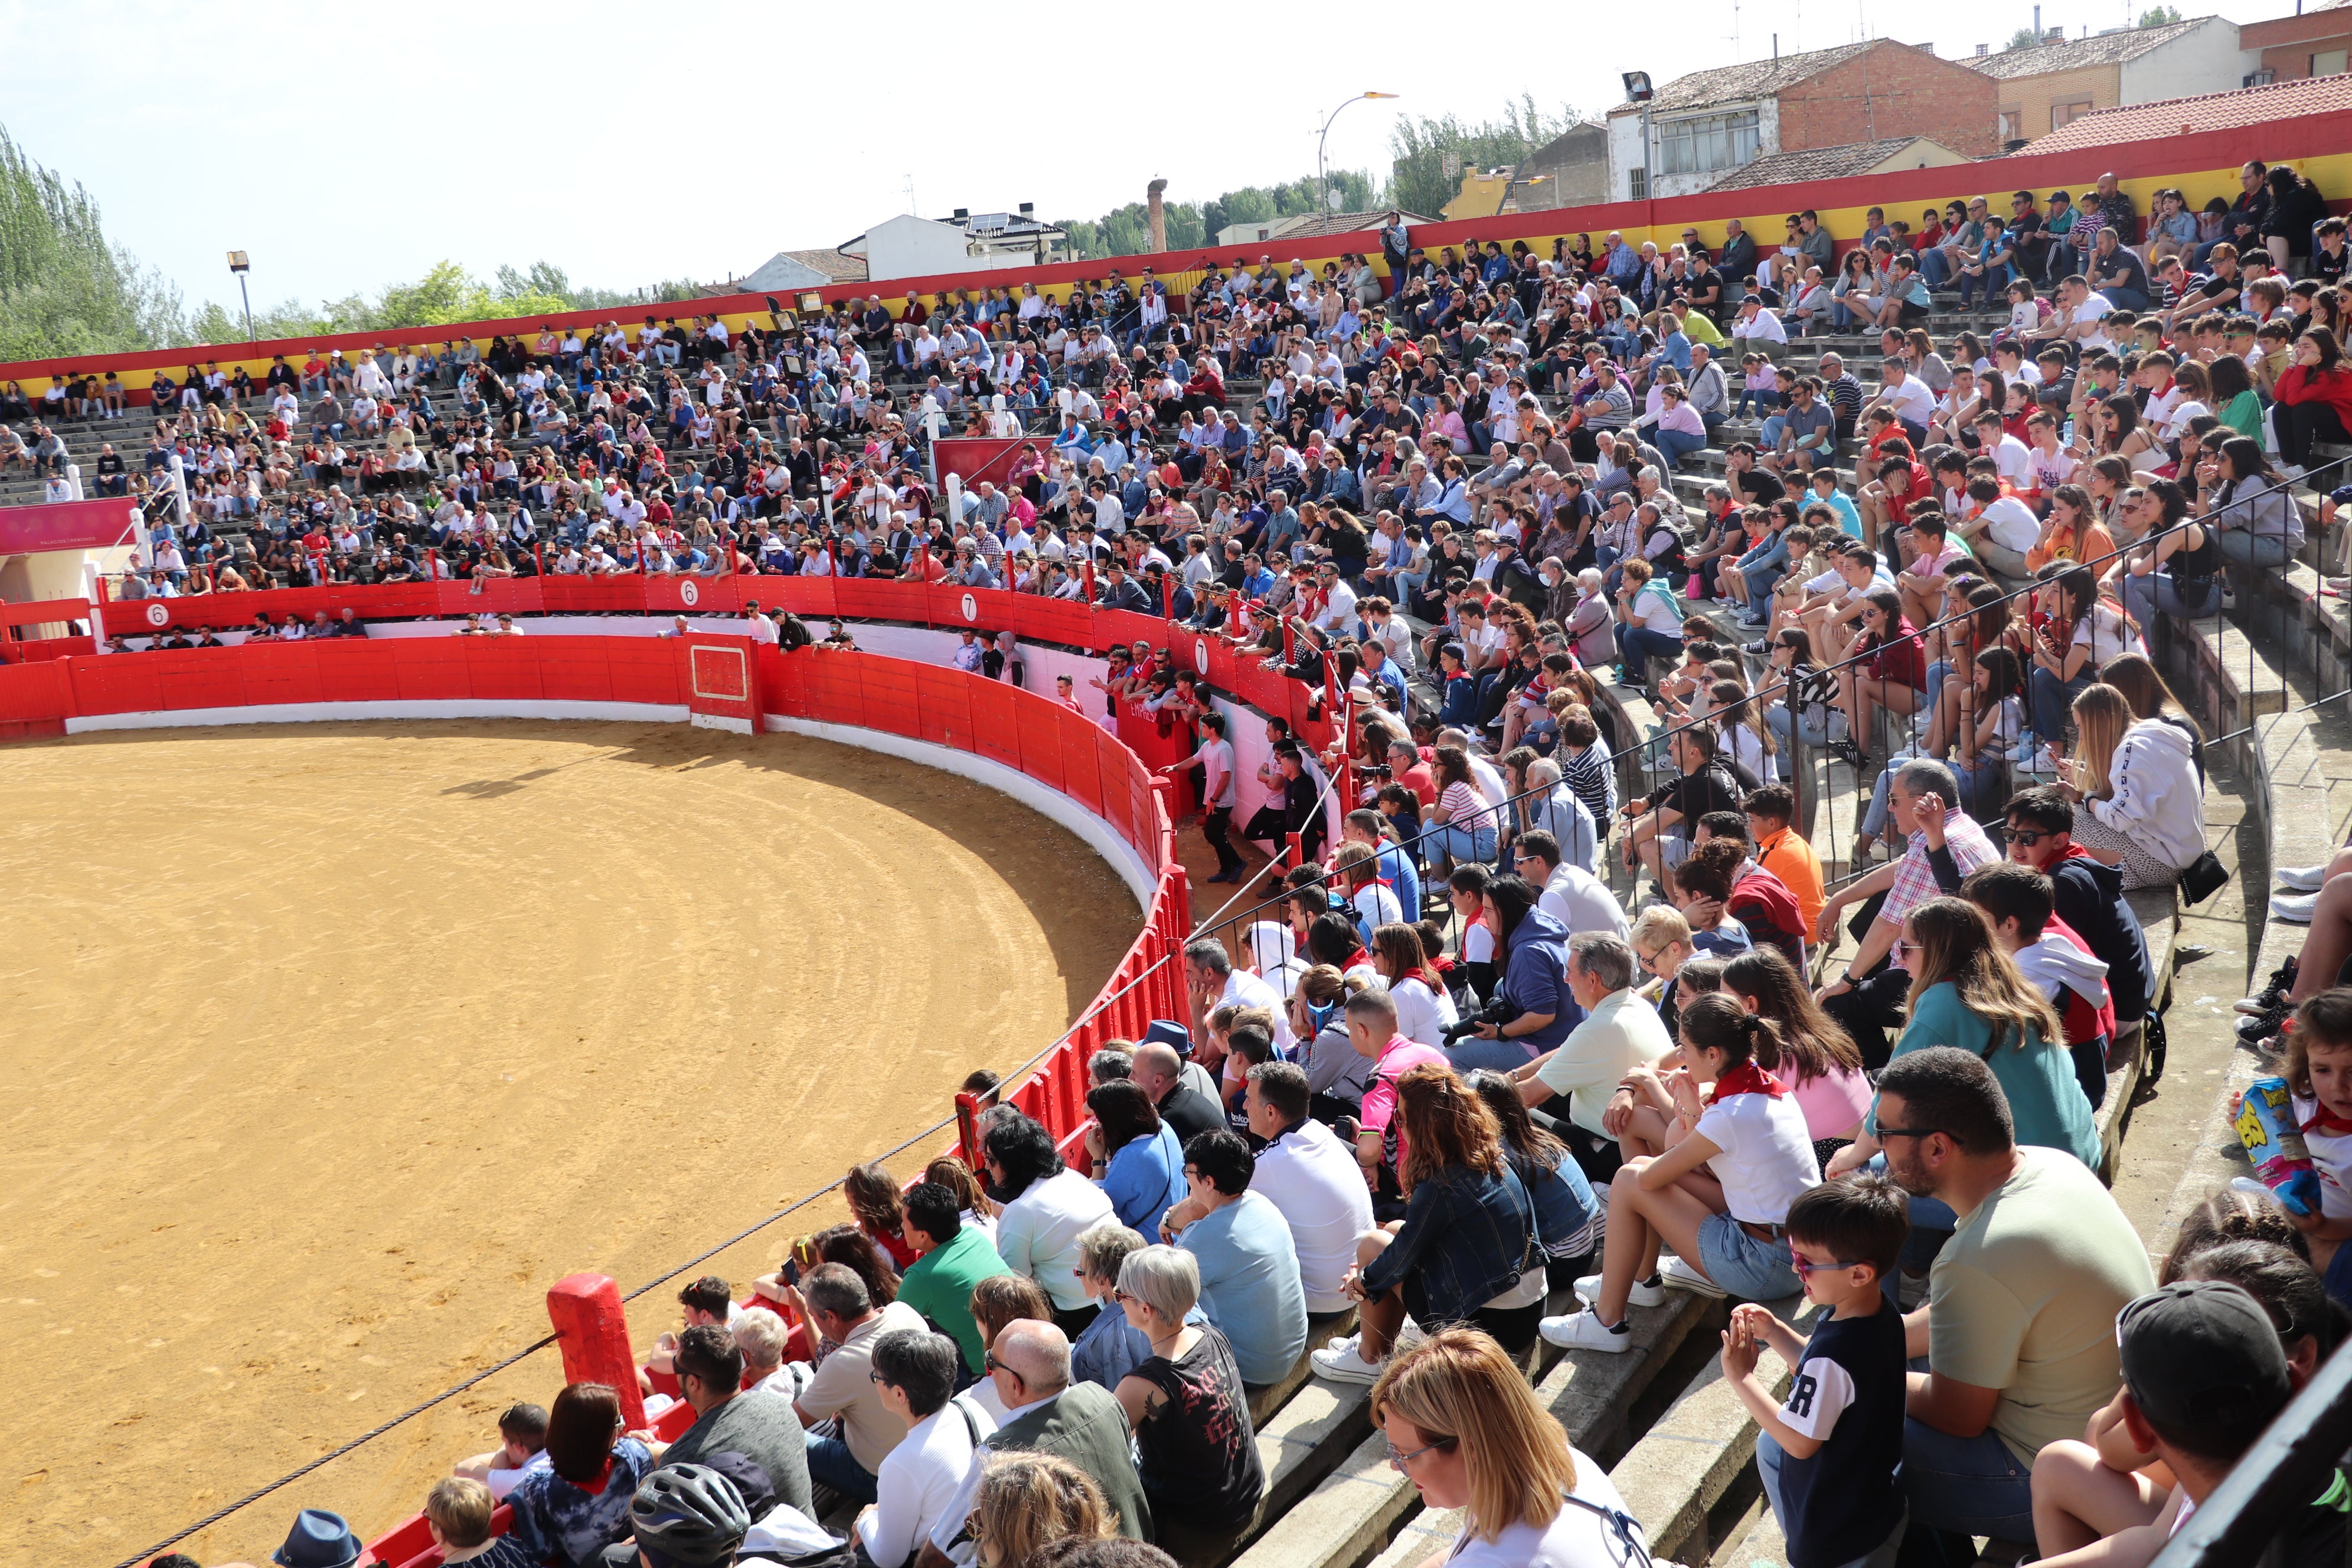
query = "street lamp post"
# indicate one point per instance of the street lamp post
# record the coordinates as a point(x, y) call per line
point(1322, 184)
point(240, 266)
point(1532, 180)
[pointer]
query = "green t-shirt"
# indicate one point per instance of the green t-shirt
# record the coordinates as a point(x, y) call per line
point(2046, 1098)
point(2024, 1296)
point(938, 1285)
point(2244, 415)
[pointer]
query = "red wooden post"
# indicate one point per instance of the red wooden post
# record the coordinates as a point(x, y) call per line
point(592, 1332)
point(1297, 850)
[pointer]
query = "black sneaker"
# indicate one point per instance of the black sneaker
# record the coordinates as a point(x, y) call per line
point(2267, 1024)
point(1754, 647)
point(2281, 980)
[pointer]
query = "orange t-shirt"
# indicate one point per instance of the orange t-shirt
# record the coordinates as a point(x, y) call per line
point(1790, 858)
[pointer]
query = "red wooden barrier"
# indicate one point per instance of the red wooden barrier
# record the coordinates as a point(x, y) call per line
point(593, 1333)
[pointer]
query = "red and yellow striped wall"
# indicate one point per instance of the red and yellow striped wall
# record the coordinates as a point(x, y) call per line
point(2201, 164)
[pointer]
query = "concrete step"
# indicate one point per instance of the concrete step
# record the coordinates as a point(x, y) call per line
point(1350, 1516)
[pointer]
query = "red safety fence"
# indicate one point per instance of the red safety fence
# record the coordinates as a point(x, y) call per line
point(1059, 748)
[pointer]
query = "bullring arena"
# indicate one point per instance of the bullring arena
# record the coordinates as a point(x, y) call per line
point(333, 1045)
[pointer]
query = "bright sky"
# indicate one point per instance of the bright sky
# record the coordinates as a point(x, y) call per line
point(349, 147)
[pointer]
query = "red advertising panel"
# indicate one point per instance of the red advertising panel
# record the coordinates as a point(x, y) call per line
point(100, 525)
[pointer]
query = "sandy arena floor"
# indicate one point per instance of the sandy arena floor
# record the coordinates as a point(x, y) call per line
point(328, 1047)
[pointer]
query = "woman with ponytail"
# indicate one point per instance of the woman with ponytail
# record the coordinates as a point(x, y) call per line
point(1736, 1153)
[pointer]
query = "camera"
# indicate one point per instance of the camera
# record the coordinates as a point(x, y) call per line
point(1498, 1012)
point(1377, 769)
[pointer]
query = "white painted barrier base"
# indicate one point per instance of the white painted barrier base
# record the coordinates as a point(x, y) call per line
point(320, 712)
point(1121, 854)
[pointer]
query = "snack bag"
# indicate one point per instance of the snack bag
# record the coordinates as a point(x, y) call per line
point(2266, 1126)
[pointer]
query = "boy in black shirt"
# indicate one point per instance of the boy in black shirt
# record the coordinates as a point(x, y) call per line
point(1828, 1454)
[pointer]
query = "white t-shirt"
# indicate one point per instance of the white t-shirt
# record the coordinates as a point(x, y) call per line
point(2094, 309)
point(2011, 523)
point(1575, 1537)
point(1581, 901)
point(2331, 1156)
point(922, 1473)
point(1038, 1233)
point(1378, 906)
point(1767, 1161)
point(504, 1481)
point(1912, 402)
point(2014, 460)
point(1422, 1014)
point(1314, 1179)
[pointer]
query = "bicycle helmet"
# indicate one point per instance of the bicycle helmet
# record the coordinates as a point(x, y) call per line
point(690, 1514)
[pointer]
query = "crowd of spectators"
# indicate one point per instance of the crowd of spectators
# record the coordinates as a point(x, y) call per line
point(1447, 1073)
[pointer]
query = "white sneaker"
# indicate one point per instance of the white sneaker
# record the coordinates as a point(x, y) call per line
point(2291, 472)
point(2295, 909)
point(1585, 1332)
point(1681, 1276)
point(1588, 1290)
point(2303, 879)
point(1339, 1361)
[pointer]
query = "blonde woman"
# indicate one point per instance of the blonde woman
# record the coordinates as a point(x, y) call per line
point(1463, 1426)
point(2135, 780)
point(1029, 1501)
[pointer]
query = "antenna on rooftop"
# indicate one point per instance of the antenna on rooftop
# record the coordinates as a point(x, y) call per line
point(909, 188)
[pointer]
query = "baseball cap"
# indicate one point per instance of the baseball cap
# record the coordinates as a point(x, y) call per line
point(2203, 1356)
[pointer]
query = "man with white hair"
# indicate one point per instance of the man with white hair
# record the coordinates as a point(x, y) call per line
point(1045, 1413)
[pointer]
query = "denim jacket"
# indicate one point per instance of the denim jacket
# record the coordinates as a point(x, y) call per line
point(1464, 1239)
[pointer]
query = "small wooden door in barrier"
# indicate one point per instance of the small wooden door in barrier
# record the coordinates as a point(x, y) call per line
point(722, 683)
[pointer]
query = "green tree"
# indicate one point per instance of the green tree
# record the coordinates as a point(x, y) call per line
point(2159, 16)
point(1419, 182)
point(2023, 39)
point(63, 288)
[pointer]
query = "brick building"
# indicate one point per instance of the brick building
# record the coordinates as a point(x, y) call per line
point(1703, 126)
point(2044, 86)
point(2317, 43)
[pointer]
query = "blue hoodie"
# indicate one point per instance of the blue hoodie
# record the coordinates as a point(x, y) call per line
point(1535, 979)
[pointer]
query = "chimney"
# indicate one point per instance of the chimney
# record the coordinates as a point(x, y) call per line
point(960, 215)
point(2057, 35)
point(1156, 211)
point(1983, 49)
point(1029, 210)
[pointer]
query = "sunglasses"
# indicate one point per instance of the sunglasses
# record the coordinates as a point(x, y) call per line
point(1806, 1269)
point(2028, 836)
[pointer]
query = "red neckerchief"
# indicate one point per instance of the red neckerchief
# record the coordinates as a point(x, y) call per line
point(1745, 1078)
point(596, 1487)
point(1355, 958)
point(2325, 1121)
